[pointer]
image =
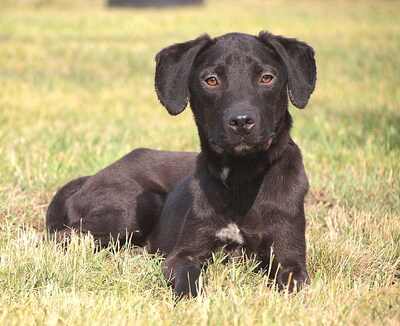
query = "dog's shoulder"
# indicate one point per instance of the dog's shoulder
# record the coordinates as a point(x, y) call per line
point(291, 162)
point(286, 181)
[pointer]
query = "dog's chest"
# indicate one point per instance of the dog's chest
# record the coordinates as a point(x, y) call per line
point(230, 234)
point(236, 242)
point(231, 241)
point(236, 238)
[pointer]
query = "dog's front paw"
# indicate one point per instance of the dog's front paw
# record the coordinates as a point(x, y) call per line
point(183, 276)
point(293, 281)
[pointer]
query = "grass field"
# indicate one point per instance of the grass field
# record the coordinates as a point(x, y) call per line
point(76, 93)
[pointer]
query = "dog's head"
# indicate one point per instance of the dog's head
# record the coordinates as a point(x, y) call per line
point(237, 85)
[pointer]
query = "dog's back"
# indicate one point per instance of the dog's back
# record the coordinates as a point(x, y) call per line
point(124, 199)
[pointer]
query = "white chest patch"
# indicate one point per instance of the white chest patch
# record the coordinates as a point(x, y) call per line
point(230, 233)
point(224, 173)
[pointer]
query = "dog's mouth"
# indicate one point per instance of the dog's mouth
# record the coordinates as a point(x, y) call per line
point(243, 147)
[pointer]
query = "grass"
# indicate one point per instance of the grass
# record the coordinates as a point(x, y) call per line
point(76, 93)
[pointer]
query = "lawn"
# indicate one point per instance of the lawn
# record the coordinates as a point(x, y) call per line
point(76, 93)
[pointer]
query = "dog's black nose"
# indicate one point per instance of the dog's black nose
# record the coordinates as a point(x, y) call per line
point(241, 123)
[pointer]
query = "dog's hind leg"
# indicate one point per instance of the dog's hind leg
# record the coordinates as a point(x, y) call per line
point(56, 216)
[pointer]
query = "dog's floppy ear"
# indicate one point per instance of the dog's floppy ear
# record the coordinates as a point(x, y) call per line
point(173, 66)
point(298, 57)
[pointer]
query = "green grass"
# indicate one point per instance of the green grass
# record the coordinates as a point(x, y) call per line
point(76, 93)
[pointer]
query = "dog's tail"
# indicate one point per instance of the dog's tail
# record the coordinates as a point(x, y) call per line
point(56, 216)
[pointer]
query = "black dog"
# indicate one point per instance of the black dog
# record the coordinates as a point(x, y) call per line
point(248, 189)
point(121, 202)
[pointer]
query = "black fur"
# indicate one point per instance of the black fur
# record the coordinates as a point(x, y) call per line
point(249, 184)
point(122, 201)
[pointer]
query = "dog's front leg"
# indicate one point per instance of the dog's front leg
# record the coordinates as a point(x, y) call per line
point(289, 251)
point(182, 272)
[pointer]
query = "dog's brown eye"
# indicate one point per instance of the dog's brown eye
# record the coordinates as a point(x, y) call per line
point(266, 79)
point(212, 81)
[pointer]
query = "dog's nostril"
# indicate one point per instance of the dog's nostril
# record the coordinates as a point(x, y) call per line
point(249, 122)
point(233, 123)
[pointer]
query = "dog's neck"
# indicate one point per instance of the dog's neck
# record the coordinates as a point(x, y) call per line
point(233, 170)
